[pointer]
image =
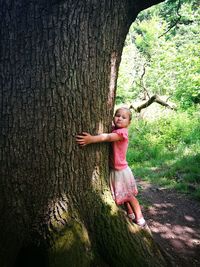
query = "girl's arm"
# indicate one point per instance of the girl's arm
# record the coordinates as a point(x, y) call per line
point(86, 138)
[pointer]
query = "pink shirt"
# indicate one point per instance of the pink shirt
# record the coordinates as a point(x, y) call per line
point(119, 149)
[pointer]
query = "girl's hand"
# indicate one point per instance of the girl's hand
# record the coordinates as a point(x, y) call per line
point(84, 139)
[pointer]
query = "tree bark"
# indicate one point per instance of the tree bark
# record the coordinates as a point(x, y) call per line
point(58, 65)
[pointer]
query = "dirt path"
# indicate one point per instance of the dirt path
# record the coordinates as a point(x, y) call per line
point(174, 220)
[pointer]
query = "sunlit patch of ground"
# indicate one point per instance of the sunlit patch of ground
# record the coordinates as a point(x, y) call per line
point(174, 220)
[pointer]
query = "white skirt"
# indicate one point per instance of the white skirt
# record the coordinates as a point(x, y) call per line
point(123, 185)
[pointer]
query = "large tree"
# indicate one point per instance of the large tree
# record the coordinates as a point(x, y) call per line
point(58, 70)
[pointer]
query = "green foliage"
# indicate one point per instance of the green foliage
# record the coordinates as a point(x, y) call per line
point(172, 65)
point(173, 12)
point(167, 150)
point(179, 67)
point(129, 69)
point(146, 36)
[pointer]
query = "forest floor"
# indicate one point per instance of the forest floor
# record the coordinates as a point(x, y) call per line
point(174, 220)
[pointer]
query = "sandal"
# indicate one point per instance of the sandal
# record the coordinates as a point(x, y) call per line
point(144, 226)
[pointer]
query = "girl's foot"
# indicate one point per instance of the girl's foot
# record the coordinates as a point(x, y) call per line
point(141, 222)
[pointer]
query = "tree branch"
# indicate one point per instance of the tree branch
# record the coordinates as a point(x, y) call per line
point(141, 5)
point(154, 98)
point(142, 83)
point(176, 21)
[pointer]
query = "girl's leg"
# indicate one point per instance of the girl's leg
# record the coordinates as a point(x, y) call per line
point(137, 210)
point(129, 211)
point(128, 208)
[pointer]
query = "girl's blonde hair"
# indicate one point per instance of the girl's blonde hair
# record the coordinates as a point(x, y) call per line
point(128, 111)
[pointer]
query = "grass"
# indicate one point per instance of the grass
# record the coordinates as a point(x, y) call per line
point(167, 151)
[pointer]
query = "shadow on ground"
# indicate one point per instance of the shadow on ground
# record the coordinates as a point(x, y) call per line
point(174, 220)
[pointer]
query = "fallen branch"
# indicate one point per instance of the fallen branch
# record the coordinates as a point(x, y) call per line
point(152, 99)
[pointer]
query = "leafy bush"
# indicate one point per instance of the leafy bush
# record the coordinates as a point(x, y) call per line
point(168, 148)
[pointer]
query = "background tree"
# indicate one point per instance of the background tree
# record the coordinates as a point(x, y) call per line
point(168, 50)
point(59, 64)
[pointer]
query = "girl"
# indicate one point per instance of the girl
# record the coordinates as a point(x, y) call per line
point(122, 182)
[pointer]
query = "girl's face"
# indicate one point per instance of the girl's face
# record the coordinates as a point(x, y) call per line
point(121, 118)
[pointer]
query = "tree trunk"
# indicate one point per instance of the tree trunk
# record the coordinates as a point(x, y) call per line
point(58, 67)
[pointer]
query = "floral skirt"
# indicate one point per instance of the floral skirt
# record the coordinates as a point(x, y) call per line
point(123, 185)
